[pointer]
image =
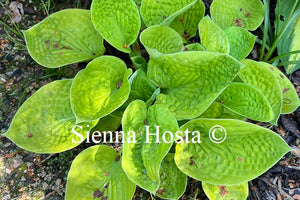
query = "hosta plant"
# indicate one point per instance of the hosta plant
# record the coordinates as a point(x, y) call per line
point(182, 106)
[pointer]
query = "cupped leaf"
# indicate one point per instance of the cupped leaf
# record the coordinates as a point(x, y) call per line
point(191, 81)
point(231, 151)
point(290, 40)
point(143, 151)
point(118, 21)
point(100, 88)
point(247, 101)
point(213, 38)
point(173, 181)
point(110, 122)
point(229, 192)
point(163, 11)
point(290, 97)
point(194, 47)
point(96, 173)
point(241, 42)
point(65, 37)
point(186, 24)
point(45, 122)
point(261, 76)
point(161, 39)
point(248, 14)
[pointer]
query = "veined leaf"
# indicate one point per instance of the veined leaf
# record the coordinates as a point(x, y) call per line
point(194, 47)
point(186, 24)
point(247, 101)
point(228, 192)
point(246, 152)
point(290, 97)
point(213, 38)
point(173, 181)
point(45, 121)
point(163, 11)
point(142, 158)
point(191, 81)
point(100, 88)
point(261, 76)
point(110, 122)
point(65, 37)
point(161, 40)
point(248, 14)
point(219, 111)
point(241, 42)
point(97, 173)
point(118, 21)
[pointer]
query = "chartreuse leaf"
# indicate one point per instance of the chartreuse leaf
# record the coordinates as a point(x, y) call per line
point(241, 42)
point(261, 76)
point(186, 24)
point(289, 94)
point(142, 155)
point(96, 173)
point(45, 121)
point(118, 21)
point(161, 39)
point(191, 81)
point(246, 152)
point(65, 37)
point(213, 38)
point(100, 88)
point(228, 192)
point(219, 111)
point(247, 101)
point(248, 14)
point(173, 181)
point(110, 122)
point(194, 47)
point(164, 11)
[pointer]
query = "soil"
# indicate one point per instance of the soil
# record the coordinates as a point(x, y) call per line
point(26, 175)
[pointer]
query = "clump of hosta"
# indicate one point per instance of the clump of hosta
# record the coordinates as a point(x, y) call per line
point(193, 97)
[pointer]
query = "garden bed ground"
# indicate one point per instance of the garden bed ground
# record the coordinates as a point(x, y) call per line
point(25, 175)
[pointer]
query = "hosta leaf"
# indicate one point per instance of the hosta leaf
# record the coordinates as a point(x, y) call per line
point(100, 88)
point(246, 152)
point(118, 21)
point(173, 181)
point(44, 123)
point(163, 11)
point(219, 111)
point(161, 39)
point(241, 42)
point(261, 76)
point(142, 159)
point(247, 101)
point(229, 192)
point(213, 38)
point(186, 24)
point(248, 14)
point(191, 81)
point(96, 173)
point(290, 40)
point(65, 37)
point(289, 94)
point(194, 47)
point(110, 122)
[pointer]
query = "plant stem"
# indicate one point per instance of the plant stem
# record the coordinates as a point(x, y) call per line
point(284, 55)
point(266, 24)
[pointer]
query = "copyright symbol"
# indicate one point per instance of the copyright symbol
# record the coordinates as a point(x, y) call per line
point(220, 130)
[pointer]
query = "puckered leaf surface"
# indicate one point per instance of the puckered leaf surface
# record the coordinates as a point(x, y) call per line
point(229, 192)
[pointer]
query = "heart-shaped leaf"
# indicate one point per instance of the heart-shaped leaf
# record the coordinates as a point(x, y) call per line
point(241, 42)
point(163, 11)
point(248, 14)
point(191, 81)
point(65, 37)
point(228, 192)
point(145, 142)
point(118, 21)
point(247, 101)
point(96, 173)
point(161, 40)
point(261, 76)
point(231, 151)
point(213, 38)
point(173, 181)
point(45, 122)
point(100, 88)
